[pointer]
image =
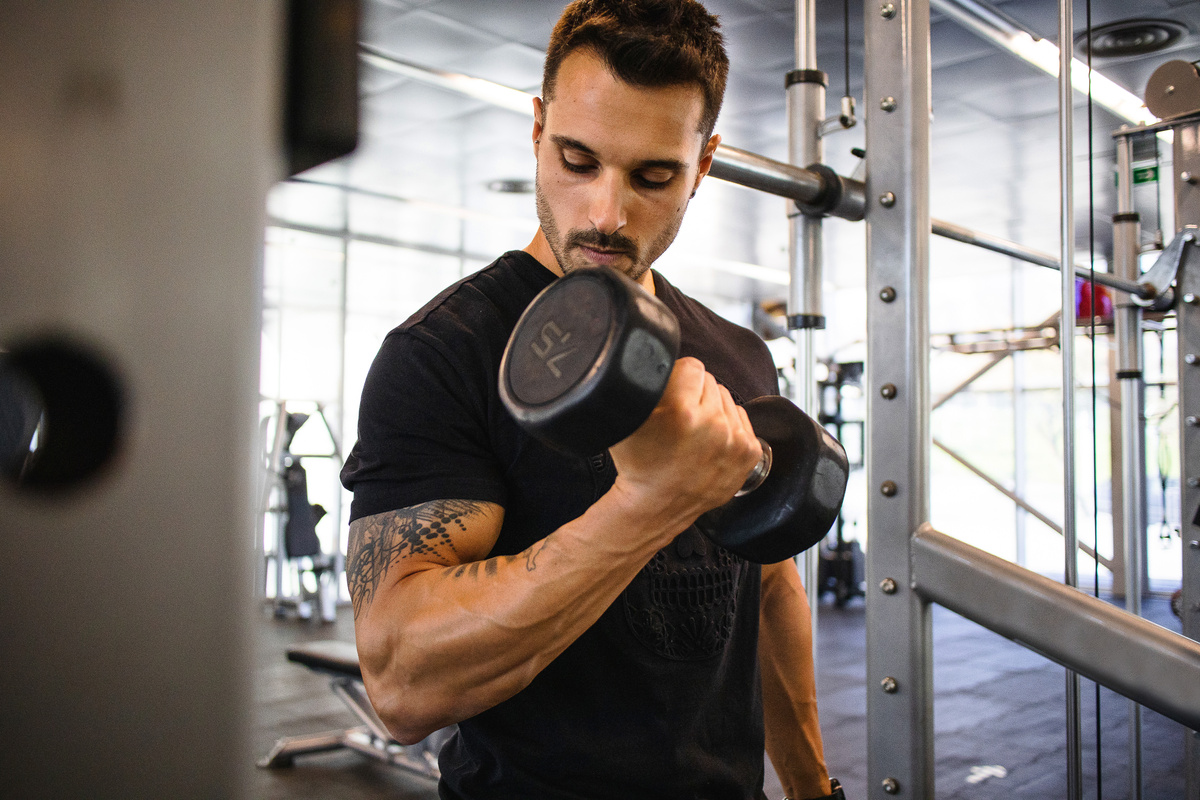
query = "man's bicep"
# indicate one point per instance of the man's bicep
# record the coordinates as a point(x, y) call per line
point(383, 548)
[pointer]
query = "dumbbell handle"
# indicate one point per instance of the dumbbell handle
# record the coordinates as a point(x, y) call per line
point(760, 472)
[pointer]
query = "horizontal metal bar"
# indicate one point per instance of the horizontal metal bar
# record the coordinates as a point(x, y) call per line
point(766, 174)
point(1132, 656)
point(1005, 247)
point(1156, 127)
point(995, 484)
point(805, 187)
point(784, 180)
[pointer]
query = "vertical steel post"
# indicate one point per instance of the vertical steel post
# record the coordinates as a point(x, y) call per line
point(1187, 212)
point(1067, 232)
point(1133, 422)
point(806, 110)
point(139, 141)
point(899, 641)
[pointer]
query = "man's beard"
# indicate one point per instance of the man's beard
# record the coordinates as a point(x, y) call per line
point(610, 242)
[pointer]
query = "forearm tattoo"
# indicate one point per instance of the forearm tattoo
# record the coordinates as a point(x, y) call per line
point(378, 542)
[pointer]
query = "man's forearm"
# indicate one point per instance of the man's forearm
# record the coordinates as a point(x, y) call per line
point(793, 730)
point(443, 643)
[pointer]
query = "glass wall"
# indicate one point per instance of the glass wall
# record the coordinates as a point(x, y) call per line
point(342, 269)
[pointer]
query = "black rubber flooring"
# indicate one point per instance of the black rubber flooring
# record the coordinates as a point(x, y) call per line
point(999, 718)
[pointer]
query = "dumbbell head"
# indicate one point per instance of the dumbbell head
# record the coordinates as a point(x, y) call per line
point(588, 360)
point(798, 502)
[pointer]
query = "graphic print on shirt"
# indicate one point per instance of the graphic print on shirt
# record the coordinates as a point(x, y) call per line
point(682, 603)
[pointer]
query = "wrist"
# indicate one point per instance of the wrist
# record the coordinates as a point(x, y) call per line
point(835, 792)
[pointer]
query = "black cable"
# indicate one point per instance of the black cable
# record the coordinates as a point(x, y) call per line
point(846, 42)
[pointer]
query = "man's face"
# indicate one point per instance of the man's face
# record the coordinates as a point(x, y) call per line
point(617, 165)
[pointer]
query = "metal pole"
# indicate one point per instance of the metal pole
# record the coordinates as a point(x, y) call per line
point(806, 110)
point(1187, 212)
point(899, 633)
point(1067, 341)
point(1133, 423)
point(1004, 247)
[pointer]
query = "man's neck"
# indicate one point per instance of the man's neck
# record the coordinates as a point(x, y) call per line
point(539, 248)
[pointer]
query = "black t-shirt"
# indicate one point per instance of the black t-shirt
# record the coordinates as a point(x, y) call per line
point(660, 698)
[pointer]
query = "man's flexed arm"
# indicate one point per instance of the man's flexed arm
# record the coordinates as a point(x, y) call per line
point(380, 542)
point(444, 632)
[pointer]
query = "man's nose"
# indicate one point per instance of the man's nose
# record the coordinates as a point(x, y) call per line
point(607, 212)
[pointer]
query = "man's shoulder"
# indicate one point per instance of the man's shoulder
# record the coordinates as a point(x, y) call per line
point(691, 310)
point(502, 287)
point(734, 354)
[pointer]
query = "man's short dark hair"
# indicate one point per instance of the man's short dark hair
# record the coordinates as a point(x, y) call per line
point(650, 43)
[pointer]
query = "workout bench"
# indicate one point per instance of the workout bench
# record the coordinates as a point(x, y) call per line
point(340, 661)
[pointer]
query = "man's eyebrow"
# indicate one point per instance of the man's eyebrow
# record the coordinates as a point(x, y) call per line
point(567, 143)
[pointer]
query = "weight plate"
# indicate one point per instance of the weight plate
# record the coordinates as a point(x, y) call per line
point(557, 343)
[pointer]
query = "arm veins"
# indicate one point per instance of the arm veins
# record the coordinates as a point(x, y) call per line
point(379, 542)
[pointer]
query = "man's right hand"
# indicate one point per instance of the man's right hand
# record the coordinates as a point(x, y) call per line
point(692, 454)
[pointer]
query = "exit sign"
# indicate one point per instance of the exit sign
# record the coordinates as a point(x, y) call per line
point(1145, 175)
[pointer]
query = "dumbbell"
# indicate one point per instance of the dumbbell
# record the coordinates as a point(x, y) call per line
point(588, 361)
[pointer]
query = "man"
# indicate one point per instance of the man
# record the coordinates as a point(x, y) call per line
point(587, 640)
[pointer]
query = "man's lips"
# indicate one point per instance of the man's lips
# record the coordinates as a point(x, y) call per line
point(603, 256)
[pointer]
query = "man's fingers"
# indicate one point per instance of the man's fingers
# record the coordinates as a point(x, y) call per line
point(688, 379)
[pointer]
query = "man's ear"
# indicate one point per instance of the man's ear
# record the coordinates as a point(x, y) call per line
point(539, 116)
point(706, 159)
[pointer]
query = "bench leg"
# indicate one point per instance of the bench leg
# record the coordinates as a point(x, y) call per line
point(284, 753)
point(371, 738)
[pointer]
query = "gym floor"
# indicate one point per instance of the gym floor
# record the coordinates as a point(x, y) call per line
point(998, 716)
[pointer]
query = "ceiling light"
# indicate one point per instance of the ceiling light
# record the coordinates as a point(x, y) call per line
point(1130, 37)
point(1043, 54)
point(511, 186)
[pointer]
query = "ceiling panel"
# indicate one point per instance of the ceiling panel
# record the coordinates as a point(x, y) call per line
point(761, 43)
point(994, 130)
point(511, 64)
point(528, 22)
point(429, 39)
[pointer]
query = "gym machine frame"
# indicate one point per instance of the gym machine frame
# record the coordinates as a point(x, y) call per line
point(911, 565)
point(327, 568)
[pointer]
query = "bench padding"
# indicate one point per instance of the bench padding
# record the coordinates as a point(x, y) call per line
point(333, 657)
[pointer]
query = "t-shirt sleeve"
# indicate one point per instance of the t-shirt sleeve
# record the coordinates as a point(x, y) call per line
point(422, 432)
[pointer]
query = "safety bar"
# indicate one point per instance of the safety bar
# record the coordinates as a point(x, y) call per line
point(1023, 253)
point(766, 174)
point(806, 186)
point(1130, 655)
